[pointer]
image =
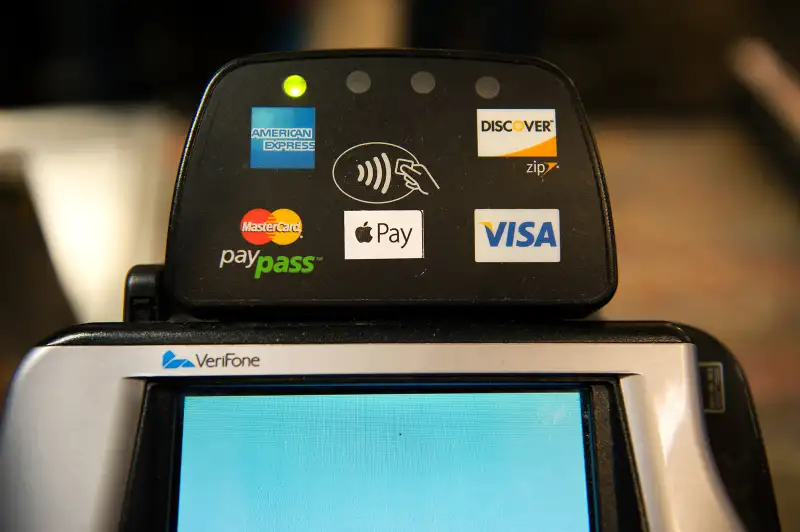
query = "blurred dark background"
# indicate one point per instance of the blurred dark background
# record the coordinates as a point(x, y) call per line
point(629, 55)
point(695, 105)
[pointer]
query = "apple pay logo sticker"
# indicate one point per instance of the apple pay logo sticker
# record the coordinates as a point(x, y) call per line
point(383, 235)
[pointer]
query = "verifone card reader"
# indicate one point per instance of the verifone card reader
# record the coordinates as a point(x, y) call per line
point(359, 326)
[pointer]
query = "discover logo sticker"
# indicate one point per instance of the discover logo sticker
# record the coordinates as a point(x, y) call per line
point(517, 133)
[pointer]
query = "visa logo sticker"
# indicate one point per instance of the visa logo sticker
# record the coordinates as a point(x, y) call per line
point(282, 137)
point(517, 235)
point(517, 133)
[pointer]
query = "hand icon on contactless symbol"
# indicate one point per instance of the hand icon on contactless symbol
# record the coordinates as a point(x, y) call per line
point(365, 173)
point(413, 172)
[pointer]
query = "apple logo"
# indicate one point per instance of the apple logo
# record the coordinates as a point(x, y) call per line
point(364, 233)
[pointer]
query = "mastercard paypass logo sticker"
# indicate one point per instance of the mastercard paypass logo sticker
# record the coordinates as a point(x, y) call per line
point(260, 227)
point(282, 227)
point(517, 133)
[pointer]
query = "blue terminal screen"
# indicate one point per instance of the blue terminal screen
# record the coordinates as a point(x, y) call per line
point(384, 462)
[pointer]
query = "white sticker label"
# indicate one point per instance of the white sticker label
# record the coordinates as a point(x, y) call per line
point(517, 235)
point(517, 133)
point(383, 235)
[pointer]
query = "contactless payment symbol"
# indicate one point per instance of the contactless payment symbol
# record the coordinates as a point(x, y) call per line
point(517, 133)
point(282, 137)
point(380, 172)
point(260, 226)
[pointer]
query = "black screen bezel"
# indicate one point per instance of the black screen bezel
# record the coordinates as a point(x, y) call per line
point(151, 501)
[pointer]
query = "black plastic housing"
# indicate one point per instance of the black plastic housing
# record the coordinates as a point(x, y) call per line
point(217, 186)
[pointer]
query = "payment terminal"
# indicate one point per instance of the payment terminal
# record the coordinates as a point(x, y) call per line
point(371, 317)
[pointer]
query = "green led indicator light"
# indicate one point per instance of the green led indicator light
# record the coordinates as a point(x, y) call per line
point(294, 86)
